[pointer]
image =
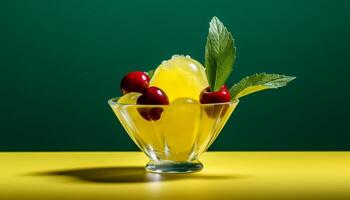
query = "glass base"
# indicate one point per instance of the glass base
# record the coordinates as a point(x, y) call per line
point(173, 167)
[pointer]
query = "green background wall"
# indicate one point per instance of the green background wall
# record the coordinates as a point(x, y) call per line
point(61, 61)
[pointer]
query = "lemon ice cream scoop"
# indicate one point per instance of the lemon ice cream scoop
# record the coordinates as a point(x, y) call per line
point(179, 77)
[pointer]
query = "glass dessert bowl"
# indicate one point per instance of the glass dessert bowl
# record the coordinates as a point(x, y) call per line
point(174, 112)
point(173, 136)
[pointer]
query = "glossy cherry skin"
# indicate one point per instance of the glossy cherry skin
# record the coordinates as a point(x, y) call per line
point(134, 82)
point(152, 96)
point(220, 96)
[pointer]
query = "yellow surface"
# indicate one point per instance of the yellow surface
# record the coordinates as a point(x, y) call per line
point(226, 175)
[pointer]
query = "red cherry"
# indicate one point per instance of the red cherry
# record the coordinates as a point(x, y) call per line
point(150, 113)
point(220, 96)
point(134, 82)
point(152, 96)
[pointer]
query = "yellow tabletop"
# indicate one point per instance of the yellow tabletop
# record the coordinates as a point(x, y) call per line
point(226, 175)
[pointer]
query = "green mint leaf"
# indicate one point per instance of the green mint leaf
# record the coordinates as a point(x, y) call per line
point(258, 82)
point(219, 54)
point(150, 73)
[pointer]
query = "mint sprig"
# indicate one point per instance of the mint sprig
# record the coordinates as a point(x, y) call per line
point(219, 54)
point(258, 82)
point(150, 73)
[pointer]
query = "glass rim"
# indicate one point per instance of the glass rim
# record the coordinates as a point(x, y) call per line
point(113, 102)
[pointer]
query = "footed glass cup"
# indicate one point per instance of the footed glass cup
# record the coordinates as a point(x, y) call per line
point(173, 136)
